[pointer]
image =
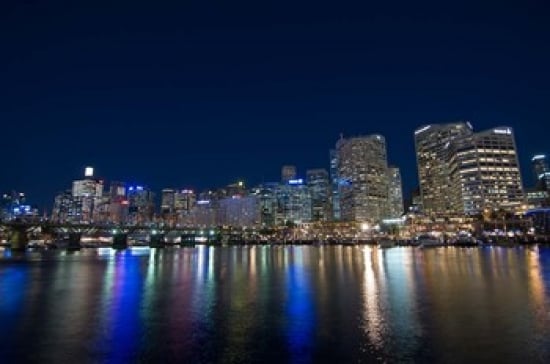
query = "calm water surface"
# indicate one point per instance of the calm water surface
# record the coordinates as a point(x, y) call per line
point(278, 304)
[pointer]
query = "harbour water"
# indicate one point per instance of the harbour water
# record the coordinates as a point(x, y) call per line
point(278, 304)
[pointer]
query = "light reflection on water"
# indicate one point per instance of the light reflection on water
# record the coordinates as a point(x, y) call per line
point(276, 304)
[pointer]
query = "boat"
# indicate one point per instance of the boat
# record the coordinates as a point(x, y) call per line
point(428, 240)
point(465, 239)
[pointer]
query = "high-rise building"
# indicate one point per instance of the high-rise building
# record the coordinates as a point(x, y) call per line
point(320, 191)
point(432, 144)
point(141, 207)
point(486, 173)
point(335, 185)
point(293, 203)
point(539, 195)
point(363, 178)
point(118, 203)
point(267, 196)
point(184, 201)
point(539, 164)
point(117, 190)
point(167, 201)
point(87, 195)
point(63, 207)
point(288, 173)
point(395, 193)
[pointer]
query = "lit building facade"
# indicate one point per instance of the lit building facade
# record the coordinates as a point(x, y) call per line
point(184, 202)
point(335, 185)
point(141, 207)
point(320, 191)
point(395, 193)
point(118, 203)
point(486, 173)
point(363, 178)
point(167, 205)
point(433, 154)
point(239, 211)
point(539, 164)
point(293, 203)
point(267, 200)
point(87, 195)
point(13, 205)
point(204, 213)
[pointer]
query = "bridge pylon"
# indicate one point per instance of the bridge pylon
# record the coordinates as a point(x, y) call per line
point(19, 238)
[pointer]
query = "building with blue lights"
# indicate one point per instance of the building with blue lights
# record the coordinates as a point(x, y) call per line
point(141, 206)
point(539, 164)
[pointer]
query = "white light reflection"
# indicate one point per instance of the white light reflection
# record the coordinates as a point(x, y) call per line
point(200, 262)
point(537, 287)
point(139, 250)
point(106, 252)
point(374, 297)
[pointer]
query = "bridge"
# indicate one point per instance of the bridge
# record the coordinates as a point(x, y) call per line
point(18, 234)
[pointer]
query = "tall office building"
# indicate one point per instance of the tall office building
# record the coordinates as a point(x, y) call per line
point(184, 201)
point(395, 193)
point(117, 190)
point(288, 173)
point(320, 191)
point(539, 164)
point(118, 203)
point(335, 183)
point(362, 170)
point(63, 207)
point(432, 143)
point(267, 196)
point(167, 201)
point(87, 195)
point(486, 173)
point(293, 203)
point(141, 206)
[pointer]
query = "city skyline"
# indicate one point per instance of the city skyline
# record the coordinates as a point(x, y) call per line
point(192, 95)
point(88, 170)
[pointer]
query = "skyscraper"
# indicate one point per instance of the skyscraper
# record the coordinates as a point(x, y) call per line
point(184, 201)
point(268, 206)
point(335, 185)
point(87, 195)
point(167, 201)
point(432, 144)
point(141, 205)
point(539, 164)
point(485, 172)
point(395, 193)
point(362, 170)
point(320, 191)
point(293, 203)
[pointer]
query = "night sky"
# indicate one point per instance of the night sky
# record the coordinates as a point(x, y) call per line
point(198, 95)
